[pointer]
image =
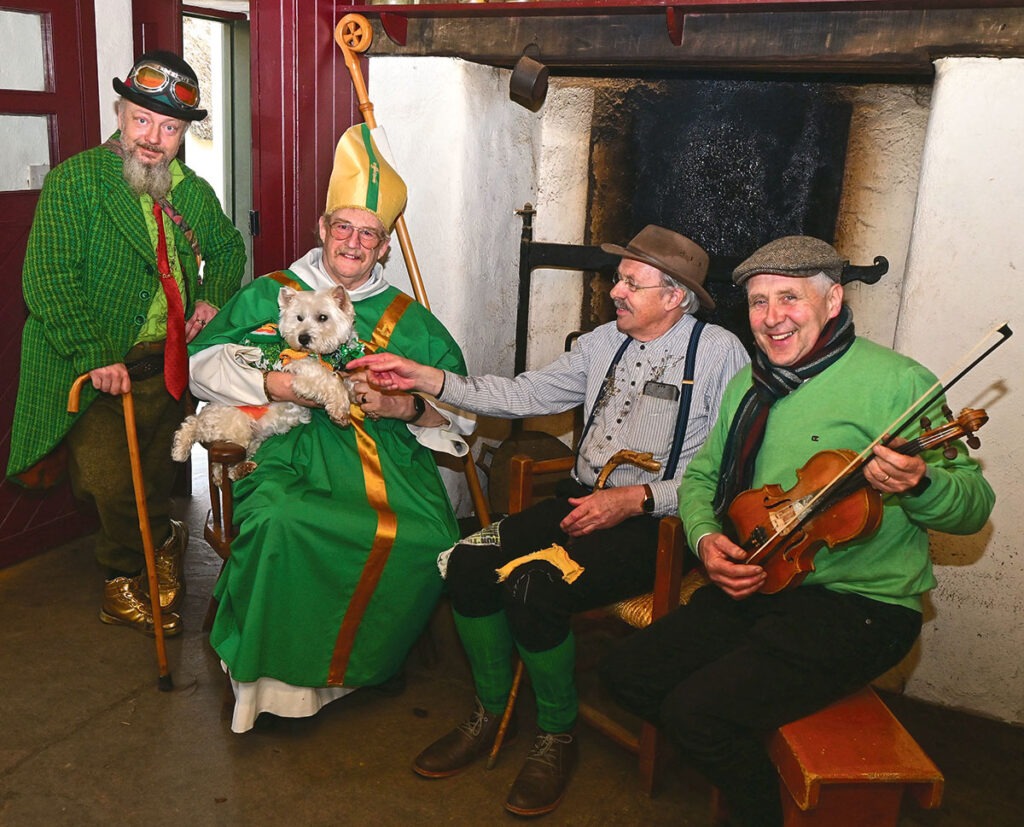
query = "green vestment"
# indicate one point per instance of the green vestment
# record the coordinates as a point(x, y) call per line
point(326, 512)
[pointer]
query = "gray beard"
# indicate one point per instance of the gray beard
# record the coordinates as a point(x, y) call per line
point(154, 180)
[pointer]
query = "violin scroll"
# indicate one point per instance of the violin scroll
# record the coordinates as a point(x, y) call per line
point(962, 427)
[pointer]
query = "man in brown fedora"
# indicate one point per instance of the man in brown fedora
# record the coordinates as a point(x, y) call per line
point(632, 379)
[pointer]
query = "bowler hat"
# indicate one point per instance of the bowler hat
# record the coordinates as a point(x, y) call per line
point(799, 256)
point(674, 254)
point(177, 96)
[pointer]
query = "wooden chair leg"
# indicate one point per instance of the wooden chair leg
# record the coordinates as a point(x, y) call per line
point(649, 757)
point(211, 606)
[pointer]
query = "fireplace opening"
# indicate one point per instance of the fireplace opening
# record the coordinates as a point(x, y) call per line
point(731, 164)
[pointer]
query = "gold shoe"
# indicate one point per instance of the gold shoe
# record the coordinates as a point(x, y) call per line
point(124, 604)
point(170, 567)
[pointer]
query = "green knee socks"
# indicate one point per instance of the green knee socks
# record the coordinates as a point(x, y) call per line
point(552, 673)
point(488, 644)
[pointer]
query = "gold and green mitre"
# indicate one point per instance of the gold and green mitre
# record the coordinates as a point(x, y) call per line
point(363, 178)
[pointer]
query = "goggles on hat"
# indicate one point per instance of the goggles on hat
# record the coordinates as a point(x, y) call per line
point(153, 79)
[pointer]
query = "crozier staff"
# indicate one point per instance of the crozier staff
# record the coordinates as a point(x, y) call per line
point(735, 663)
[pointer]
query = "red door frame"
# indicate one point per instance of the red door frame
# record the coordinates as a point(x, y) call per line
point(302, 101)
point(32, 522)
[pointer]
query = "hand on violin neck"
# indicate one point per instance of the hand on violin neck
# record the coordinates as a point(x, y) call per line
point(893, 472)
point(723, 561)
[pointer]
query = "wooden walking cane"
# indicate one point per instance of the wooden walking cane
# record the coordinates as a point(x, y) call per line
point(164, 681)
point(353, 35)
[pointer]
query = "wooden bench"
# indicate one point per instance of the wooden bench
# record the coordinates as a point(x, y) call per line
point(849, 764)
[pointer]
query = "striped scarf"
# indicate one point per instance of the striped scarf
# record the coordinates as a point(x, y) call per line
point(771, 383)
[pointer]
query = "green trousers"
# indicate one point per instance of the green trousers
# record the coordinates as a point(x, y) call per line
point(100, 469)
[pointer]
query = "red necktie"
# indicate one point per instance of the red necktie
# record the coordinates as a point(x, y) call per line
point(175, 356)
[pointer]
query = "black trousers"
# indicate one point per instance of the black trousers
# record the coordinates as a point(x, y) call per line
point(618, 562)
point(719, 674)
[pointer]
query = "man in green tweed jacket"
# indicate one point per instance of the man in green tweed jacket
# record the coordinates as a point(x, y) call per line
point(110, 220)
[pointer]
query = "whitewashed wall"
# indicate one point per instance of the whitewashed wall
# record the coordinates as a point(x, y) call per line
point(963, 278)
point(115, 55)
point(471, 158)
point(883, 166)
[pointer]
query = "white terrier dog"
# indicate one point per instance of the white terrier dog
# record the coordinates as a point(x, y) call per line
point(318, 328)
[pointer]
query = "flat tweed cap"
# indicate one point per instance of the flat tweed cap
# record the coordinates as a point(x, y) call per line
point(800, 256)
point(674, 254)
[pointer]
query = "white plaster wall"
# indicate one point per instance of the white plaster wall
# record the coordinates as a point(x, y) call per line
point(114, 55)
point(471, 157)
point(883, 165)
point(962, 279)
point(556, 296)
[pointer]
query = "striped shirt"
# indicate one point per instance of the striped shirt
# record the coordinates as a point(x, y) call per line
point(626, 416)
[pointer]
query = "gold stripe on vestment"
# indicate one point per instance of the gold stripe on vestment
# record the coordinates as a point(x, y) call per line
point(377, 496)
point(282, 278)
point(388, 322)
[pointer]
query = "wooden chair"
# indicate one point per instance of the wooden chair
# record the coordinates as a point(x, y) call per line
point(220, 528)
point(670, 589)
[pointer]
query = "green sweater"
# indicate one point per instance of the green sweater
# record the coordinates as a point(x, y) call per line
point(847, 406)
point(89, 279)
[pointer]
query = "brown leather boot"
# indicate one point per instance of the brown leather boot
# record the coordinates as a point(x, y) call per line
point(541, 783)
point(463, 745)
point(170, 567)
point(125, 604)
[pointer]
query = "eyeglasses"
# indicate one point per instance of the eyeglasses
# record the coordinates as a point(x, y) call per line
point(368, 237)
point(153, 78)
point(632, 286)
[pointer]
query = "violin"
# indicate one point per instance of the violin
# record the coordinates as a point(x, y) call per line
point(830, 505)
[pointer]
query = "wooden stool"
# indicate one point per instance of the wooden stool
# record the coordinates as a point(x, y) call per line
point(848, 765)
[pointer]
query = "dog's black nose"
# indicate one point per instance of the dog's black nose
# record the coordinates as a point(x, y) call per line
point(305, 339)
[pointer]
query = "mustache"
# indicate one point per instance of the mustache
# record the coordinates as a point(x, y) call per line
point(622, 304)
point(149, 147)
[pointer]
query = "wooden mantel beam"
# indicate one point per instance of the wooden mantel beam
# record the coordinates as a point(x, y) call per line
point(899, 41)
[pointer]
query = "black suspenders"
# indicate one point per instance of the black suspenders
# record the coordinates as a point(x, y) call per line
point(685, 399)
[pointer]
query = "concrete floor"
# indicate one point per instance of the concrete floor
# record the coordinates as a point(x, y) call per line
point(86, 738)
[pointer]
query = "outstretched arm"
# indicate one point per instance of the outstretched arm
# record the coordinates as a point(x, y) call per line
point(391, 372)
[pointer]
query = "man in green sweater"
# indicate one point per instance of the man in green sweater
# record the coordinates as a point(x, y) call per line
point(737, 661)
point(115, 285)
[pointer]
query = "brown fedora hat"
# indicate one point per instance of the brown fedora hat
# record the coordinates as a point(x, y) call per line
point(673, 254)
